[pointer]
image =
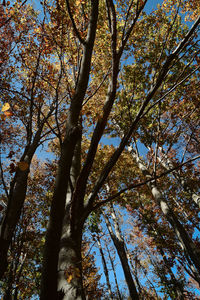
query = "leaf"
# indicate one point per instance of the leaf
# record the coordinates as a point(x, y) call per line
point(8, 113)
point(3, 117)
point(6, 106)
point(69, 278)
point(23, 165)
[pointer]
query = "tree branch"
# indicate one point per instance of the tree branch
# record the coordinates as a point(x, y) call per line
point(133, 186)
point(82, 41)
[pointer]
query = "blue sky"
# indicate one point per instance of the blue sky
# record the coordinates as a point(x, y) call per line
point(151, 5)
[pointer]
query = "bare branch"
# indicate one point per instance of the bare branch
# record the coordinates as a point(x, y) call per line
point(82, 41)
point(124, 41)
point(112, 161)
point(167, 93)
point(136, 185)
point(3, 181)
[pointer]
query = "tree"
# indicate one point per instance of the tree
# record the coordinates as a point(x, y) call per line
point(81, 72)
point(120, 247)
point(21, 93)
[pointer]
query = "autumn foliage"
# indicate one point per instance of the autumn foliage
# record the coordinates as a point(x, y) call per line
point(100, 148)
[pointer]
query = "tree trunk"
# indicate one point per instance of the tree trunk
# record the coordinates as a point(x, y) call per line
point(16, 200)
point(70, 285)
point(114, 272)
point(119, 244)
point(177, 287)
point(104, 267)
point(186, 243)
point(62, 232)
point(167, 163)
point(52, 245)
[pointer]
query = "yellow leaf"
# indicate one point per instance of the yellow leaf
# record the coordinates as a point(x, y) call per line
point(6, 106)
point(23, 165)
point(69, 278)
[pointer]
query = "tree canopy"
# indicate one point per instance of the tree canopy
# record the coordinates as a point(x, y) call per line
point(100, 148)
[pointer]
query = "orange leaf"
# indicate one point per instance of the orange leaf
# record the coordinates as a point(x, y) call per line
point(8, 113)
point(69, 279)
point(3, 117)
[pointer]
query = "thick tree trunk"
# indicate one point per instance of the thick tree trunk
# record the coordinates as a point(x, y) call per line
point(70, 285)
point(119, 244)
point(61, 233)
point(16, 200)
point(58, 211)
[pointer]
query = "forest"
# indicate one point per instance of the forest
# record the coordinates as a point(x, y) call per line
point(100, 149)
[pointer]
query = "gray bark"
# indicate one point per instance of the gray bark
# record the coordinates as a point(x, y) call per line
point(183, 181)
point(189, 248)
point(106, 273)
point(70, 284)
point(120, 247)
point(114, 272)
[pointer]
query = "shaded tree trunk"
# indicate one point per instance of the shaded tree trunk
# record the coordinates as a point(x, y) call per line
point(16, 200)
point(70, 285)
point(62, 253)
point(177, 287)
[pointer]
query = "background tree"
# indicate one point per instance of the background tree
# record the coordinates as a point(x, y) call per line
point(75, 75)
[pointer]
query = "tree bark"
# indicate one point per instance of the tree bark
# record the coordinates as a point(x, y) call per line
point(114, 272)
point(186, 243)
point(119, 244)
point(104, 267)
point(16, 200)
point(167, 163)
point(64, 232)
point(70, 285)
